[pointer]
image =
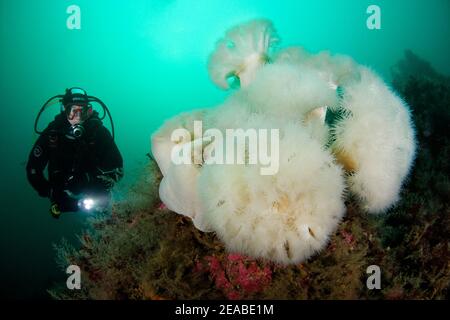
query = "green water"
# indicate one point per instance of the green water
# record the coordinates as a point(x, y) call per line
point(147, 61)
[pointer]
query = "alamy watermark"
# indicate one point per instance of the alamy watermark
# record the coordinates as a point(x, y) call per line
point(73, 21)
point(239, 146)
point(73, 282)
point(374, 280)
point(373, 22)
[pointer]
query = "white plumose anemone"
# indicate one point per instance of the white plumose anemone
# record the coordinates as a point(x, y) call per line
point(288, 91)
point(374, 141)
point(288, 216)
point(337, 70)
point(162, 143)
point(243, 50)
point(178, 188)
point(291, 92)
point(284, 217)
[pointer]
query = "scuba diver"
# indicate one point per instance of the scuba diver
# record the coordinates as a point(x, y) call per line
point(83, 160)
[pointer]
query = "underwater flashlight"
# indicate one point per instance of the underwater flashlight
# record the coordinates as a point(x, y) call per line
point(86, 204)
point(93, 204)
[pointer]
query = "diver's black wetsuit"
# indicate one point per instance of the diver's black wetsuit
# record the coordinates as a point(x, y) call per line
point(90, 164)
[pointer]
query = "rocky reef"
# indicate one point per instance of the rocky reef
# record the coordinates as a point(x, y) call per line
point(144, 251)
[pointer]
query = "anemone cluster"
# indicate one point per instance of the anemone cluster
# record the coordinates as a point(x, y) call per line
point(342, 132)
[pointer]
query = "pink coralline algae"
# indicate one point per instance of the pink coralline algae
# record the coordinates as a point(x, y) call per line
point(348, 239)
point(237, 276)
point(162, 206)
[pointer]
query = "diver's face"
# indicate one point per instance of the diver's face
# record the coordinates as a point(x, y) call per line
point(76, 115)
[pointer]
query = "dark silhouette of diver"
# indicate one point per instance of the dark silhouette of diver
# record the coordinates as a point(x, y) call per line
point(83, 160)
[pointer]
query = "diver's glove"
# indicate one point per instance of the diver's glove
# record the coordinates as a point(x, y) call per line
point(55, 212)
